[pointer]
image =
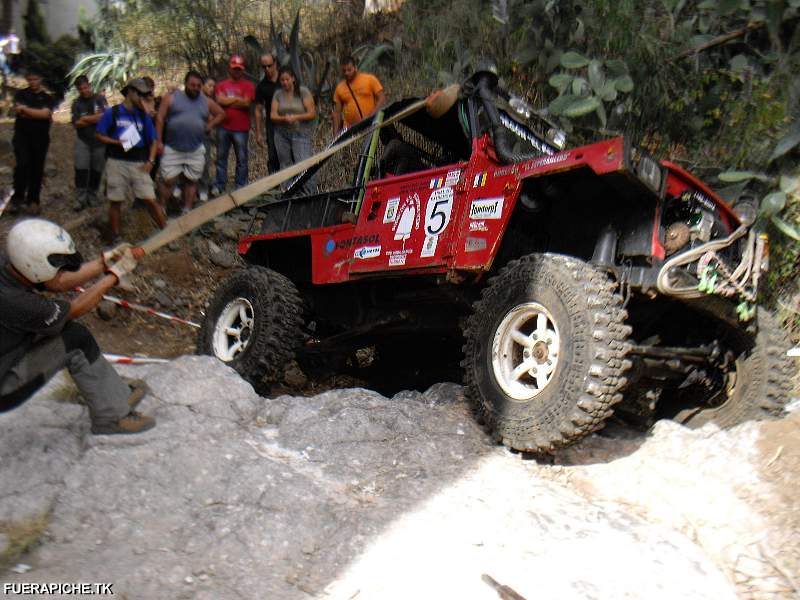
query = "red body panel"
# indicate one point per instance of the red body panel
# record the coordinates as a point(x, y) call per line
point(454, 217)
point(679, 181)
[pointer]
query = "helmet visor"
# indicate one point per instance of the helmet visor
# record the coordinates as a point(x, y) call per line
point(68, 262)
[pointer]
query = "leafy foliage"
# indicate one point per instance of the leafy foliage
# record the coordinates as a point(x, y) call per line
point(586, 86)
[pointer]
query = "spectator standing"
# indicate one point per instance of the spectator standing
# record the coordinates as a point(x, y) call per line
point(10, 45)
point(264, 92)
point(39, 336)
point(34, 109)
point(90, 154)
point(234, 95)
point(357, 96)
point(204, 185)
point(292, 112)
point(131, 144)
point(185, 117)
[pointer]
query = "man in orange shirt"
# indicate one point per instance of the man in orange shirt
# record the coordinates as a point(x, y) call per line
point(356, 97)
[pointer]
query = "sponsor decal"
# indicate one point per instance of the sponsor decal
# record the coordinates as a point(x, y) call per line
point(480, 179)
point(486, 208)
point(390, 214)
point(523, 133)
point(436, 182)
point(510, 170)
point(408, 218)
point(452, 177)
point(367, 252)
point(357, 240)
point(474, 244)
point(438, 210)
point(397, 260)
point(429, 247)
point(546, 161)
point(478, 226)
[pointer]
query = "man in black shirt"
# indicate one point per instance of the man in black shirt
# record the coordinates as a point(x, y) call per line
point(90, 154)
point(264, 91)
point(34, 109)
point(39, 336)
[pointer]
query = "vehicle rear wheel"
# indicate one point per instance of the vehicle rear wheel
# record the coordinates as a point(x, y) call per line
point(545, 352)
point(758, 385)
point(253, 323)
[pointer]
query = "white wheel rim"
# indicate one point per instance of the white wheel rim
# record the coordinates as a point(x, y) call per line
point(234, 329)
point(525, 351)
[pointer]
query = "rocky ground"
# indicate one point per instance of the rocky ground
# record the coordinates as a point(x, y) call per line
point(348, 494)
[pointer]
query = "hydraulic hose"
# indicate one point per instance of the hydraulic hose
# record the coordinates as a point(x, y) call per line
point(663, 282)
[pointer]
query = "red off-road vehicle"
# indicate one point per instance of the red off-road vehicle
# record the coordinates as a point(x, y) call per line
point(568, 284)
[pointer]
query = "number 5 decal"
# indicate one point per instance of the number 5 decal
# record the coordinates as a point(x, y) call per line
point(437, 211)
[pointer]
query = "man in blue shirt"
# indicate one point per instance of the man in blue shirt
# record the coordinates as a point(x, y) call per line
point(131, 145)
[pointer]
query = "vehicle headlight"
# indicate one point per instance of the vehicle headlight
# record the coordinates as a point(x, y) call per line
point(649, 172)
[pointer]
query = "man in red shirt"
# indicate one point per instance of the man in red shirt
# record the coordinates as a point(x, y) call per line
point(234, 95)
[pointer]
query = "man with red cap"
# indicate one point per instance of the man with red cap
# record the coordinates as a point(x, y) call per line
point(234, 95)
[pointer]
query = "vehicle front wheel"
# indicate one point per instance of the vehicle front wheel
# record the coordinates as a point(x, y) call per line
point(253, 323)
point(758, 383)
point(545, 352)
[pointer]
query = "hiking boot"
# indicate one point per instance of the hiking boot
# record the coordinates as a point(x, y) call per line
point(133, 422)
point(139, 390)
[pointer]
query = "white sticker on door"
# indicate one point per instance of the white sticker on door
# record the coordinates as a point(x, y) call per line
point(390, 214)
point(486, 208)
point(437, 211)
point(367, 252)
point(429, 247)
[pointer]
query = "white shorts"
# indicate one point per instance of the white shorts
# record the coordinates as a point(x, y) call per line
point(191, 164)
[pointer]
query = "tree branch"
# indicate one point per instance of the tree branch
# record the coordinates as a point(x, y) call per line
point(717, 41)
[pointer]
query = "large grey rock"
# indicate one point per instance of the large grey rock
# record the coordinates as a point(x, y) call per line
point(345, 493)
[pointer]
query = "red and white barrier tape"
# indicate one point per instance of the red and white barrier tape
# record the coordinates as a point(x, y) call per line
point(119, 359)
point(144, 309)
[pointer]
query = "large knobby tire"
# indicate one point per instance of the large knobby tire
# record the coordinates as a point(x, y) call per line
point(759, 385)
point(254, 324)
point(540, 308)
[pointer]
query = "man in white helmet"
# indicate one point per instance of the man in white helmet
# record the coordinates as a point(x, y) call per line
point(39, 336)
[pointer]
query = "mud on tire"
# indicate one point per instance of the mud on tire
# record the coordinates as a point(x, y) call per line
point(585, 325)
point(262, 311)
point(761, 381)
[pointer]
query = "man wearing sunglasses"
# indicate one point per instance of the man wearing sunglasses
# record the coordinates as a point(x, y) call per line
point(266, 88)
point(131, 145)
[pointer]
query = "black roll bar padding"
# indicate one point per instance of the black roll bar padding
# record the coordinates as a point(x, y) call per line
point(502, 146)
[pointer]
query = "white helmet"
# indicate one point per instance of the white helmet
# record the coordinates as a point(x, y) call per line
point(39, 248)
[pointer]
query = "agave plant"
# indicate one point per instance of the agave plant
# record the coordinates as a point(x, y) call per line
point(106, 70)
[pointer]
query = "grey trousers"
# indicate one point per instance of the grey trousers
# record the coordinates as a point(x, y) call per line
point(105, 392)
point(293, 145)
